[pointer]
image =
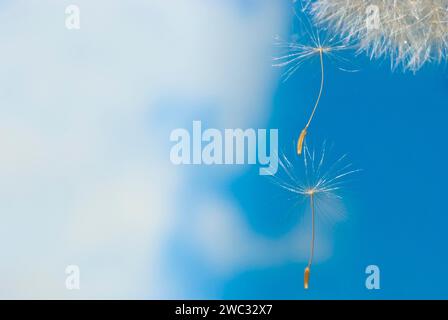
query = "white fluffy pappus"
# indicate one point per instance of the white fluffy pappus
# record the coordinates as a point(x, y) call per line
point(410, 32)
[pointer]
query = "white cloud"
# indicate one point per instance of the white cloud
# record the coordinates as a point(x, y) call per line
point(84, 179)
point(229, 245)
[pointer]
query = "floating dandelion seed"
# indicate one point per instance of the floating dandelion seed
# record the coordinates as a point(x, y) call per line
point(410, 32)
point(319, 183)
point(310, 46)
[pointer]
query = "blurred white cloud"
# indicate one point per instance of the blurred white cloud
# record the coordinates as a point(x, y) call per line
point(225, 239)
point(83, 178)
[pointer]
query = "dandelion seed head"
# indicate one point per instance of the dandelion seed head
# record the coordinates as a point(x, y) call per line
point(410, 32)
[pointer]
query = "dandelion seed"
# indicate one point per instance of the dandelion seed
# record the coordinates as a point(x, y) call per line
point(312, 44)
point(411, 32)
point(319, 183)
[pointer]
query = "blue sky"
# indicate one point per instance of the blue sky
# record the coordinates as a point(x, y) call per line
point(392, 126)
point(86, 179)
